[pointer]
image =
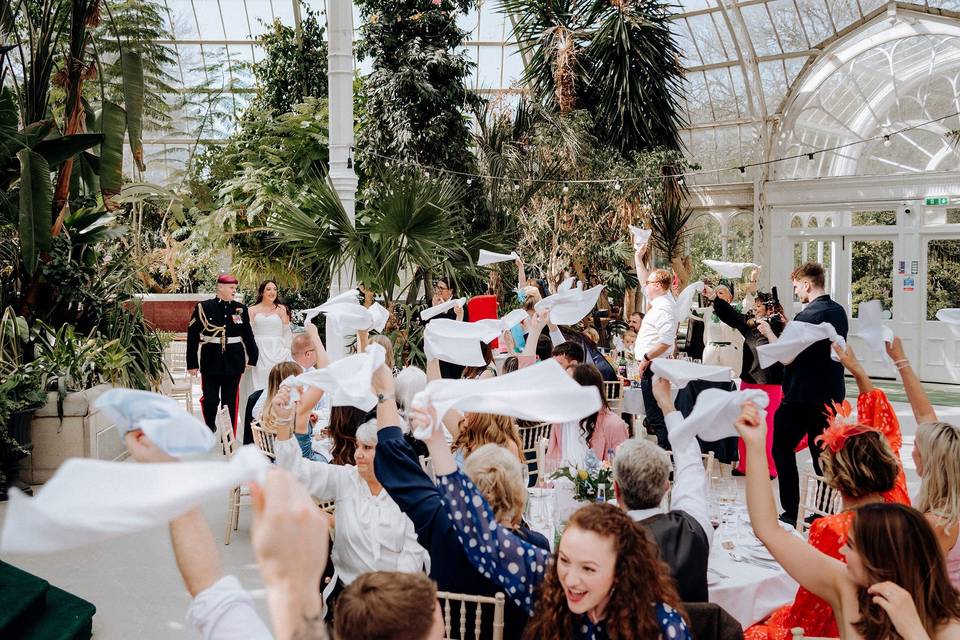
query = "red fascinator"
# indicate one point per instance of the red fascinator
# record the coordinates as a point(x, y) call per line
point(842, 425)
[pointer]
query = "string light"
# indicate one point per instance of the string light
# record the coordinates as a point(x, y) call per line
point(810, 156)
point(617, 186)
point(469, 181)
point(886, 140)
point(742, 169)
point(566, 188)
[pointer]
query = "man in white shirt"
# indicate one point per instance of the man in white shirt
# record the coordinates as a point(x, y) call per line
point(658, 332)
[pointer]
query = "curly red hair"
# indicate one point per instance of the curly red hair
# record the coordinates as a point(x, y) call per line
point(641, 579)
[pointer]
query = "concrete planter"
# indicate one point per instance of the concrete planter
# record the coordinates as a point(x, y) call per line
point(171, 311)
point(84, 433)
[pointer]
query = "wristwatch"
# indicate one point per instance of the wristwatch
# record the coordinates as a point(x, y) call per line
point(647, 358)
point(382, 398)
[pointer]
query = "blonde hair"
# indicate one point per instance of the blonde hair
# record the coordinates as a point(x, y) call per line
point(661, 276)
point(384, 342)
point(864, 466)
point(939, 446)
point(478, 429)
point(499, 477)
point(530, 292)
point(280, 372)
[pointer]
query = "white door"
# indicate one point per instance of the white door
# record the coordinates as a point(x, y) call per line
point(871, 266)
point(940, 342)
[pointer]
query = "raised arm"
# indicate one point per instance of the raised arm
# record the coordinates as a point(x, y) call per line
point(521, 273)
point(640, 257)
point(923, 410)
point(815, 571)
point(539, 321)
point(726, 313)
point(850, 362)
point(323, 360)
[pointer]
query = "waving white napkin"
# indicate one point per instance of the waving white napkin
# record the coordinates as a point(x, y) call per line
point(729, 269)
point(796, 337)
point(570, 304)
point(348, 316)
point(437, 309)
point(685, 299)
point(491, 257)
point(87, 501)
point(640, 236)
point(347, 381)
point(459, 342)
point(715, 412)
point(347, 297)
point(542, 392)
point(163, 419)
point(681, 372)
point(871, 329)
point(950, 316)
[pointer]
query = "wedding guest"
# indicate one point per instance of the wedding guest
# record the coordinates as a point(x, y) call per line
point(655, 339)
point(811, 381)
point(568, 354)
point(270, 321)
point(486, 370)
point(372, 533)
point(635, 322)
point(861, 460)
point(724, 344)
point(630, 343)
point(601, 432)
point(444, 290)
point(641, 477)
point(390, 605)
point(471, 431)
point(497, 473)
point(344, 423)
point(606, 579)
point(894, 583)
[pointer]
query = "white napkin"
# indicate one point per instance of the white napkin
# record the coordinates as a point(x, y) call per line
point(681, 372)
point(542, 392)
point(950, 316)
point(715, 412)
point(437, 309)
point(459, 342)
point(347, 316)
point(490, 257)
point(796, 337)
point(164, 421)
point(87, 501)
point(871, 328)
point(347, 381)
point(640, 236)
point(570, 304)
point(685, 300)
point(347, 297)
point(729, 269)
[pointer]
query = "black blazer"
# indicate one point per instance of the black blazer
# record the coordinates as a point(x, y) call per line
point(684, 547)
point(215, 318)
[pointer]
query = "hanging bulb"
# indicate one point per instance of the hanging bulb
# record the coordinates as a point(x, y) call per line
point(349, 162)
point(469, 181)
point(809, 156)
point(516, 186)
point(742, 169)
point(617, 186)
point(566, 188)
point(886, 140)
point(682, 180)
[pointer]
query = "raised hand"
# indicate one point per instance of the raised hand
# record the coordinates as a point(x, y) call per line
point(751, 426)
point(143, 449)
point(847, 357)
point(895, 349)
point(663, 395)
point(899, 605)
point(382, 381)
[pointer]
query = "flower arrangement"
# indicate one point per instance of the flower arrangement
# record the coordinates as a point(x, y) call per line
point(587, 478)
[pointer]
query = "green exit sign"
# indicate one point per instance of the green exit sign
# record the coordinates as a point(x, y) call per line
point(935, 202)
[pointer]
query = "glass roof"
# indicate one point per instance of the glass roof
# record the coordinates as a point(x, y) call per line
point(743, 60)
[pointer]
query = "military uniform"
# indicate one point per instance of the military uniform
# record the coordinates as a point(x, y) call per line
point(222, 334)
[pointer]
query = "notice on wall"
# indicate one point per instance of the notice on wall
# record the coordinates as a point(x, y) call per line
point(902, 267)
point(915, 267)
point(909, 284)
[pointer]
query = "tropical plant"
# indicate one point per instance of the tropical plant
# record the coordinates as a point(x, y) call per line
point(294, 66)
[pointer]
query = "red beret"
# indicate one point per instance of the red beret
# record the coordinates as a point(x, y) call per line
point(226, 278)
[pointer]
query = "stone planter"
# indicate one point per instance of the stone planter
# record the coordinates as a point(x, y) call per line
point(170, 311)
point(84, 433)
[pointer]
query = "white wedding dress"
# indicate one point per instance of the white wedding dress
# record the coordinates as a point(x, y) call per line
point(273, 343)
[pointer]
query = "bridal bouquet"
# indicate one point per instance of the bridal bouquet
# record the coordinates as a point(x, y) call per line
point(587, 478)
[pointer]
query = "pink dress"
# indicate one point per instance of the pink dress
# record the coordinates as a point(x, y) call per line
point(611, 430)
point(953, 562)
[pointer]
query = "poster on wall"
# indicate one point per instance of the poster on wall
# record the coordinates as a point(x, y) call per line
point(902, 267)
point(908, 284)
point(915, 267)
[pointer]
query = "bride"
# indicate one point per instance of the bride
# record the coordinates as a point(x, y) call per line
point(270, 320)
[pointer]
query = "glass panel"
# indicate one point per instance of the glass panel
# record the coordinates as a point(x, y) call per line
point(707, 41)
point(796, 222)
point(761, 31)
point(868, 218)
point(939, 215)
point(943, 276)
point(740, 238)
point(871, 273)
point(793, 37)
point(489, 67)
point(705, 244)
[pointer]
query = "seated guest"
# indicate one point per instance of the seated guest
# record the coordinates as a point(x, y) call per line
point(861, 461)
point(629, 342)
point(606, 579)
point(601, 432)
point(344, 422)
point(280, 372)
point(486, 370)
point(511, 364)
point(641, 477)
point(372, 533)
point(894, 583)
point(497, 473)
point(936, 454)
point(473, 430)
point(389, 605)
point(568, 354)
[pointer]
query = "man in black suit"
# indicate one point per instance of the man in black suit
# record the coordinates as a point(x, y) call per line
point(220, 330)
point(810, 383)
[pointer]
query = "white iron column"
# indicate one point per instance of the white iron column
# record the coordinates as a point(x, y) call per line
point(340, 80)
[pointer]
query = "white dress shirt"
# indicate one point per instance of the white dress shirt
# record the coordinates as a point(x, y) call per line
point(224, 611)
point(372, 533)
point(689, 492)
point(659, 326)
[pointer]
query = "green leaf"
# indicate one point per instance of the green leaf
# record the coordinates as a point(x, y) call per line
point(133, 101)
point(36, 197)
point(58, 150)
point(113, 121)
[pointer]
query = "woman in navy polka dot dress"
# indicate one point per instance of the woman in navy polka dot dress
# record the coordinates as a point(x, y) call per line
point(606, 580)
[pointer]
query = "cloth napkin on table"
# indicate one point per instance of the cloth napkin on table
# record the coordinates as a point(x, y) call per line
point(437, 309)
point(163, 419)
point(796, 337)
point(459, 342)
point(729, 269)
point(347, 315)
point(347, 381)
point(87, 501)
point(570, 304)
point(542, 392)
point(715, 412)
point(950, 316)
point(871, 329)
point(491, 257)
point(681, 372)
point(640, 236)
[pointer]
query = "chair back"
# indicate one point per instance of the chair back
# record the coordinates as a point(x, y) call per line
point(227, 440)
point(427, 465)
point(816, 497)
point(175, 357)
point(712, 622)
point(478, 602)
point(264, 439)
point(530, 436)
point(614, 394)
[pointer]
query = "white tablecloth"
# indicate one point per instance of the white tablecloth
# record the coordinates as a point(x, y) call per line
point(633, 401)
point(749, 593)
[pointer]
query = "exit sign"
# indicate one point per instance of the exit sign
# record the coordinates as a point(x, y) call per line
point(935, 202)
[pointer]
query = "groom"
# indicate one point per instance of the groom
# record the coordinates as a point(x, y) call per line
point(220, 329)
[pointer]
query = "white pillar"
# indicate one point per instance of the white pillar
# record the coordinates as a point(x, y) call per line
point(340, 80)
